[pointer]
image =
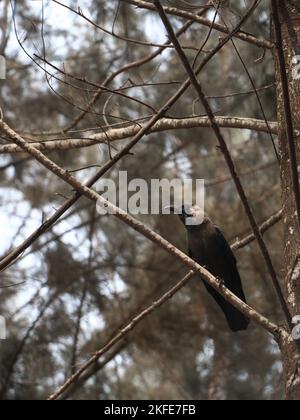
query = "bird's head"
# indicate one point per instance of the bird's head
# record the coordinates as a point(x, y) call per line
point(191, 216)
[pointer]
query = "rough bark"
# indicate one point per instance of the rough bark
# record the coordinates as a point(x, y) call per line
point(289, 349)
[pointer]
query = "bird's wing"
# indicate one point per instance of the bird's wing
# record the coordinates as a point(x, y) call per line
point(224, 246)
point(196, 257)
point(216, 255)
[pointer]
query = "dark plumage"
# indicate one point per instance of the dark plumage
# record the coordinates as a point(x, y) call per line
point(209, 248)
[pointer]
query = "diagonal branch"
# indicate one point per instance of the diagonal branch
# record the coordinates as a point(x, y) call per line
point(273, 220)
point(227, 157)
point(94, 369)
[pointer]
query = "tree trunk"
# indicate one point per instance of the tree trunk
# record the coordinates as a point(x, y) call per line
point(290, 24)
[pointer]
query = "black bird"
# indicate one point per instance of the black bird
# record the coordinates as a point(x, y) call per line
point(209, 248)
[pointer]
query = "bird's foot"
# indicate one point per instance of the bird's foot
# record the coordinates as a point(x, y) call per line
point(221, 283)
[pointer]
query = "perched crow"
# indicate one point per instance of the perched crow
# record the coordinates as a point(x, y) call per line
point(209, 248)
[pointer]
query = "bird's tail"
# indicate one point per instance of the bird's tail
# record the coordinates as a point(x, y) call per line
point(235, 319)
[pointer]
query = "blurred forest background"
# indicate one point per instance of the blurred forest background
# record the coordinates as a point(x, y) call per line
point(79, 282)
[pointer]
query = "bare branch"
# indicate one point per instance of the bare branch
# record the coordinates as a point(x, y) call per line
point(273, 220)
point(165, 124)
